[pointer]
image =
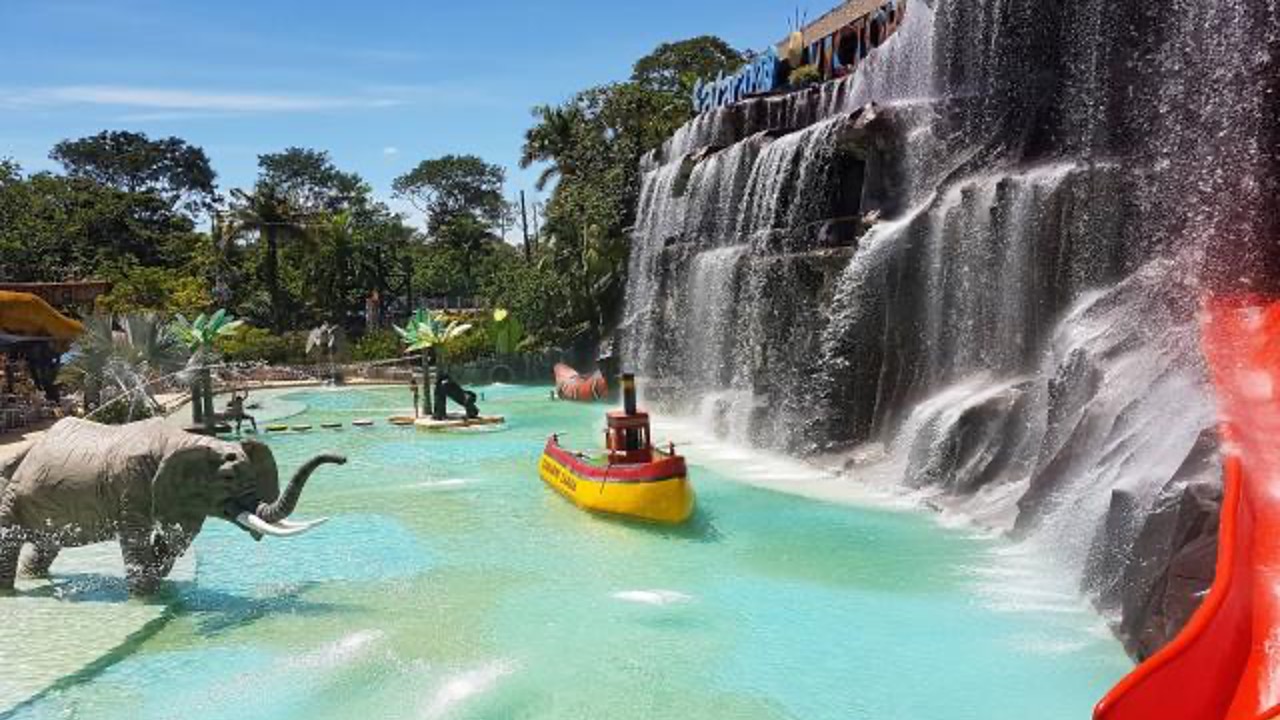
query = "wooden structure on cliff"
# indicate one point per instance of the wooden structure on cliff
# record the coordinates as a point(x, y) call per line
point(837, 42)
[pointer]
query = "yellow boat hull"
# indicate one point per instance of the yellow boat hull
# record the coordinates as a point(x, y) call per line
point(668, 501)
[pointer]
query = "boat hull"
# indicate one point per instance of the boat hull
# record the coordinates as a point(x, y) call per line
point(570, 385)
point(658, 492)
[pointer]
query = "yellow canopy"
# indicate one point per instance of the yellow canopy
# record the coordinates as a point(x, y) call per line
point(27, 314)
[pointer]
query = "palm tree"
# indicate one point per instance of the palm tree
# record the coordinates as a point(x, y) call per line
point(427, 333)
point(119, 365)
point(199, 336)
point(150, 344)
point(222, 236)
point(268, 214)
point(328, 274)
point(551, 141)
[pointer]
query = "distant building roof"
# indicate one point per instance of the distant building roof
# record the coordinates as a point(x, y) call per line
point(836, 18)
point(62, 294)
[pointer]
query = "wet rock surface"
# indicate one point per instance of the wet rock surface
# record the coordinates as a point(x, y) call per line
point(984, 252)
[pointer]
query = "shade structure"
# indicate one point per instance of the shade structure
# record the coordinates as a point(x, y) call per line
point(8, 341)
point(29, 316)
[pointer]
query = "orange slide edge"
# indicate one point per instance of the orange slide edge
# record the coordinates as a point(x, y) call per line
point(1214, 669)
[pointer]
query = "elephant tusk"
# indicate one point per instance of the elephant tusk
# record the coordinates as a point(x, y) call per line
point(302, 526)
point(252, 522)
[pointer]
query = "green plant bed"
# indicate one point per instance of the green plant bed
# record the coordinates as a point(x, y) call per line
point(805, 76)
point(252, 344)
point(122, 412)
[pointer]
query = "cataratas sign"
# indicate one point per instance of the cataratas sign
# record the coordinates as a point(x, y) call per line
point(759, 76)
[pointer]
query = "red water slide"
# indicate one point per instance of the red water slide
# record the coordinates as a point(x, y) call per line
point(1226, 662)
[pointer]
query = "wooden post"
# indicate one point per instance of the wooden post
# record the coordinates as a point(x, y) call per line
point(427, 409)
point(210, 415)
point(197, 404)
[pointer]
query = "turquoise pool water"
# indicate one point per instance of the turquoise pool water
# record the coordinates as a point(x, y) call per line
point(452, 584)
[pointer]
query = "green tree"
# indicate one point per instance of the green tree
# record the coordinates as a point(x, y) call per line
point(117, 367)
point(446, 188)
point(156, 289)
point(268, 216)
point(593, 145)
point(309, 181)
point(674, 68)
point(56, 228)
point(134, 163)
point(551, 142)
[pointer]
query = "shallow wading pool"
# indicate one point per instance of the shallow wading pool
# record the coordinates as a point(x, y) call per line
point(451, 583)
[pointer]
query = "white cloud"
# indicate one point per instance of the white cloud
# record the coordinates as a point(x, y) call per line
point(390, 151)
point(175, 100)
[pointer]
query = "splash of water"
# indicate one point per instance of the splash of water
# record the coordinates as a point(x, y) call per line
point(991, 274)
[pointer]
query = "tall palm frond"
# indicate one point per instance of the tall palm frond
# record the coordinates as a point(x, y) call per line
point(200, 335)
point(551, 141)
point(113, 366)
point(426, 330)
point(267, 215)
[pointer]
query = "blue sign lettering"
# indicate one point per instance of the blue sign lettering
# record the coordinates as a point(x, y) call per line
point(761, 76)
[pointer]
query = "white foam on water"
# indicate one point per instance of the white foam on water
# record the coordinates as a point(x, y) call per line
point(1015, 579)
point(1007, 577)
point(343, 651)
point(652, 597)
point(875, 485)
point(289, 674)
point(457, 689)
point(448, 484)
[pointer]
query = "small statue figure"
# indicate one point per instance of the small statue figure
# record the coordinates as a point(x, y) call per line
point(447, 389)
point(236, 413)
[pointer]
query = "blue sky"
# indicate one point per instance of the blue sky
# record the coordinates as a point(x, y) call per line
point(379, 84)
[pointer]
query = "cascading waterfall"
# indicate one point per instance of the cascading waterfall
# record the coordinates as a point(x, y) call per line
point(983, 253)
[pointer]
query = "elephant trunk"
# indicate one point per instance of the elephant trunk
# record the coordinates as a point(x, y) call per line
point(283, 507)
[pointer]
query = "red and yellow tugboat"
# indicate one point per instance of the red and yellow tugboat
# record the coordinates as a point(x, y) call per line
point(632, 479)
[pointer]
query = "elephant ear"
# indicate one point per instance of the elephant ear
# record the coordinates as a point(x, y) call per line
point(265, 470)
point(182, 488)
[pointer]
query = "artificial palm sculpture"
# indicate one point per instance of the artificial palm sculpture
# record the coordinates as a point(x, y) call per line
point(429, 334)
point(200, 336)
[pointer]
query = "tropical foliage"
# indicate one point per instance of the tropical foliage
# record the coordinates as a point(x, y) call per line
point(117, 369)
point(307, 242)
point(431, 331)
point(259, 345)
point(593, 145)
point(202, 334)
point(507, 332)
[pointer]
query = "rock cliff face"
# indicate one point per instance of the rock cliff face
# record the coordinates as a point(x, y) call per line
point(983, 254)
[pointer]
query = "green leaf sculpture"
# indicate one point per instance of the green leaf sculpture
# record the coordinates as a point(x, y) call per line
point(507, 332)
point(427, 330)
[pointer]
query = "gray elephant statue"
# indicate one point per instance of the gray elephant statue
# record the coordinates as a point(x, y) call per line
point(147, 484)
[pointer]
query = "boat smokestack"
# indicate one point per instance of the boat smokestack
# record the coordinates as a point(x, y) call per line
point(629, 393)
